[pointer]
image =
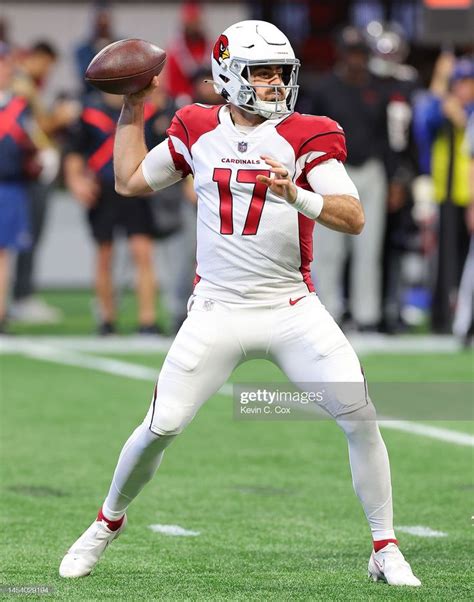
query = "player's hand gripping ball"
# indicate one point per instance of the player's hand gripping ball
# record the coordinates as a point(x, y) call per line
point(125, 67)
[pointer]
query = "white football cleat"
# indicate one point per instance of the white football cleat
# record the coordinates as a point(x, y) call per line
point(389, 565)
point(85, 553)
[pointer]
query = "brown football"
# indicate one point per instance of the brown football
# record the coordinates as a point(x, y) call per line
point(126, 66)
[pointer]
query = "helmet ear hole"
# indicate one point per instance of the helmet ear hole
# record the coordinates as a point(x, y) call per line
point(224, 78)
point(236, 67)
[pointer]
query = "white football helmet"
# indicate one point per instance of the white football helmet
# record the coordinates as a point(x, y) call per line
point(245, 45)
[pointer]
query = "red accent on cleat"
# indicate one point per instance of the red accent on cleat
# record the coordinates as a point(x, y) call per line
point(381, 543)
point(113, 525)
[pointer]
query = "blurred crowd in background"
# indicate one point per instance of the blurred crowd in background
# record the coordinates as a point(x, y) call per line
point(408, 113)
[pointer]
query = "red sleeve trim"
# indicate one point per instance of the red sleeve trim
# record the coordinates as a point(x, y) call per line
point(178, 130)
point(192, 122)
point(179, 161)
point(308, 133)
point(340, 156)
point(185, 129)
point(319, 136)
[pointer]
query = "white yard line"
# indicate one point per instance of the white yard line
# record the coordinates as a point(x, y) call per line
point(173, 530)
point(111, 344)
point(380, 343)
point(136, 371)
point(91, 362)
point(432, 432)
point(421, 531)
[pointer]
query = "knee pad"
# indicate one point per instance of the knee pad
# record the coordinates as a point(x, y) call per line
point(169, 418)
point(361, 421)
point(345, 399)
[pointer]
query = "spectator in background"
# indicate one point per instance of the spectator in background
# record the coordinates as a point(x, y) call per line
point(17, 152)
point(33, 68)
point(357, 100)
point(440, 121)
point(102, 34)
point(389, 51)
point(187, 55)
point(88, 172)
point(202, 88)
point(463, 325)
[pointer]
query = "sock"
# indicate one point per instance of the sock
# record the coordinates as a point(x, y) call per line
point(381, 543)
point(113, 525)
point(138, 461)
point(370, 469)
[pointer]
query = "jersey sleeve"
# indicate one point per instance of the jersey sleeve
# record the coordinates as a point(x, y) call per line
point(314, 140)
point(325, 140)
point(178, 142)
point(331, 177)
point(158, 167)
point(188, 125)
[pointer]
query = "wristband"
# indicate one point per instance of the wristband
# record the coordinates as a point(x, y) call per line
point(308, 203)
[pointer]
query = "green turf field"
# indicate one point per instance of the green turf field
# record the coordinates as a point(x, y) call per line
point(273, 501)
point(79, 315)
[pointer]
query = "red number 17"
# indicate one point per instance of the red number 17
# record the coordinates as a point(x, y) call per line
point(244, 176)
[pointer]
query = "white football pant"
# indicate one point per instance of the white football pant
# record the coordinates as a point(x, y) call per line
point(301, 338)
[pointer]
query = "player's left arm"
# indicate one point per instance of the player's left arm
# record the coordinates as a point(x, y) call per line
point(342, 212)
point(335, 206)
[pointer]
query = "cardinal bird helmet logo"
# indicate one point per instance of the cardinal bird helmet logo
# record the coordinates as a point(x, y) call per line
point(221, 49)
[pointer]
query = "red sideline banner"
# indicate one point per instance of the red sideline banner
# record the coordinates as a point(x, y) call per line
point(448, 4)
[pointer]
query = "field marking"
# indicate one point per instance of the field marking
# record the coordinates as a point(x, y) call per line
point(376, 343)
point(80, 360)
point(425, 430)
point(173, 530)
point(420, 531)
point(362, 343)
point(138, 372)
point(110, 344)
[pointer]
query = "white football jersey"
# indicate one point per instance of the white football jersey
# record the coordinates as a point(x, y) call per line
point(252, 246)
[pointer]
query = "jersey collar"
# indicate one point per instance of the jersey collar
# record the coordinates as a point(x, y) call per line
point(226, 120)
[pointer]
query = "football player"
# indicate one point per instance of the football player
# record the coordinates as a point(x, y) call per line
point(264, 175)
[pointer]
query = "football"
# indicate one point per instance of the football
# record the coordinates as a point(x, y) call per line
point(126, 66)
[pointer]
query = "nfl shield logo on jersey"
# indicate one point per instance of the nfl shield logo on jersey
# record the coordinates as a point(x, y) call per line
point(242, 147)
